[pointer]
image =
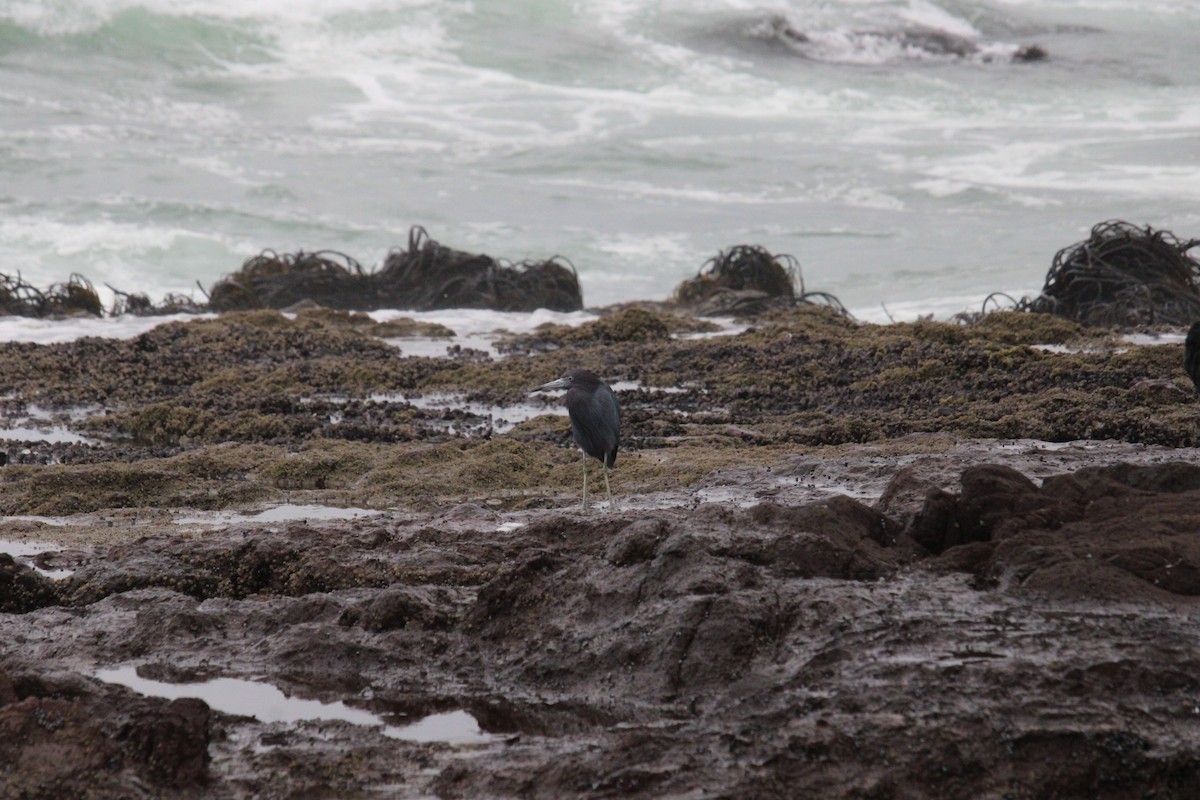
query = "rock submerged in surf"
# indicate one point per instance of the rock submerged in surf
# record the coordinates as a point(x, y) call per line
point(918, 42)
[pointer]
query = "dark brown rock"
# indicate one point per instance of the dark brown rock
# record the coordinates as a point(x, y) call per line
point(23, 589)
point(935, 526)
point(63, 737)
point(171, 739)
point(767, 651)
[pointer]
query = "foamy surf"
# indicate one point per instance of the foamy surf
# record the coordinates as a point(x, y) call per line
point(155, 144)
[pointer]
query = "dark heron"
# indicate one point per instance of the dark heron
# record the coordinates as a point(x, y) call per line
point(1191, 354)
point(595, 419)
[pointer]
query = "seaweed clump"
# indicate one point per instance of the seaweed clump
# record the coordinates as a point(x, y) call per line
point(428, 275)
point(139, 304)
point(20, 298)
point(423, 277)
point(747, 280)
point(1122, 275)
point(271, 280)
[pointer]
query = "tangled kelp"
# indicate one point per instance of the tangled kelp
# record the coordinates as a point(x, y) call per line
point(424, 276)
point(1122, 275)
point(20, 298)
point(746, 280)
point(429, 275)
point(138, 304)
point(272, 280)
point(919, 43)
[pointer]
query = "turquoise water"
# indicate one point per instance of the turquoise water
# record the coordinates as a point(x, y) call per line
point(155, 145)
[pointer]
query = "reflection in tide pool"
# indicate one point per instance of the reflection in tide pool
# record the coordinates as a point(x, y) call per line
point(268, 704)
point(51, 434)
point(286, 512)
point(24, 550)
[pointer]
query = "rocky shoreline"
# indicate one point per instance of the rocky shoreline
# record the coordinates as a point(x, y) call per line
point(911, 560)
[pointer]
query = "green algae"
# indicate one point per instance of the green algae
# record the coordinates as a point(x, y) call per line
point(160, 423)
point(1014, 327)
point(458, 471)
point(627, 325)
point(401, 327)
point(405, 327)
point(258, 407)
point(327, 466)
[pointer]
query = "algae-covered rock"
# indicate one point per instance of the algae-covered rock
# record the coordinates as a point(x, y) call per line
point(23, 589)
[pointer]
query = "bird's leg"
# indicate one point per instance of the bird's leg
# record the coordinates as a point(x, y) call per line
point(606, 489)
point(584, 506)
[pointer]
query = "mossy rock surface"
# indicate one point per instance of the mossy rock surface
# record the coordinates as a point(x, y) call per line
point(320, 403)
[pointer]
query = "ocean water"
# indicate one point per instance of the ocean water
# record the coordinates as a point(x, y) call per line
point(153, 145)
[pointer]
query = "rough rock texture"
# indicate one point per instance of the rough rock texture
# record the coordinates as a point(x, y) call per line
point(1037, 641)
point(64, 736)
point(825, 577)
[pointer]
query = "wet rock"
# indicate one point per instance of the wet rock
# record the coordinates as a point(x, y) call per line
point(397, 608)
point(837, 538)
point(637, 543)
point(292, 563)
point(23, 589)
point(1170, 478)
point(515, 593)
point(904, 494)
point(70, 739)
point(171, 739)
point(769, 651)
point(935, 526)
point(991, 494)
point(1121, 532)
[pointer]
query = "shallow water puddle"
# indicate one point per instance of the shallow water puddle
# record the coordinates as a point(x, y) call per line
point(427, 347)
point(1154, 338)
point(634, 386)
point(40, 424)
point(268, 704)
point(479, 330)
point(728, 328)
point(23, 552)
point(502, 418)
point(282, 513)
point(499, 418)
point(1070, 350)
point(1134, 339)
point(55, 521)
point(51, 434)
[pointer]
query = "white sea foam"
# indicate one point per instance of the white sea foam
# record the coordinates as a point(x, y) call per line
point(473, 327)
point(940, 308)
point(476, 322)
point(51, 331)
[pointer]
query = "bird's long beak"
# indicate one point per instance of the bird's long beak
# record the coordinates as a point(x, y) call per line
point(558, 384)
